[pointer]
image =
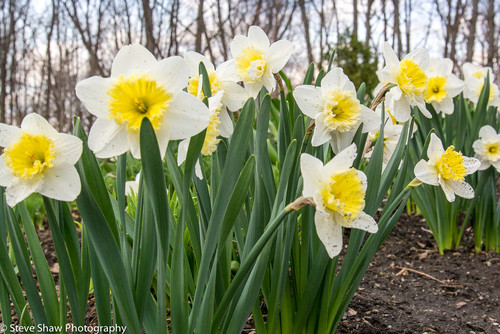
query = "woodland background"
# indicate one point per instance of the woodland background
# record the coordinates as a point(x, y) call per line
point(47, 46)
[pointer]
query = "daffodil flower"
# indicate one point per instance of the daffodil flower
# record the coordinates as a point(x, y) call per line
point(132, 187)
point(443, 85)
point(336, 110)
point(256, 60)
point(410, 79)
point(392, 132)
point(220, 125)
point(487, 148)
point(446, 169)
point(234, 95)
point(38, 159)
point(474, 77)
point(140, 86)
point(338, 190)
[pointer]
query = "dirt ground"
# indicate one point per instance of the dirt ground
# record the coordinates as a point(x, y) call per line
point(411, 288)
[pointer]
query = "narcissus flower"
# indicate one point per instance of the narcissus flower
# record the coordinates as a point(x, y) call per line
point(38, 159)
point(220, 125)
point(338, 190)
point(446, 169)
point(140, 86)
point(392, 132)
point(234, 96)
point(474, 77)
point(443, 86)
point(256, 60)
point(410, 79)
point(487, 148)
point(336, 109)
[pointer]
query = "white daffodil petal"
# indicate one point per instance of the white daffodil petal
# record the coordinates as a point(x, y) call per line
point(186, 116)
point(69, 149)
point(496, 164)
point(426, 173)
point(197, 170)
point(329, 232)
point(389, 54)
point(107, 139)
point(182, 151)
point(60, 183)
point(363, 222)
point(254, 88)
point(20, 189)
point(132, 59)
point(321, 135)
point(134, 146)
point(278, 55)
point(163, 136)
point(258, 37)
point(268, 81)
point(226, 124)
point(36, 124)
point(234, 97)
point(369, 118)
point(172, 72)
point(342, 161)
point(9, 134)
point(447, 189)
point(402, 109)
point(341, 140)
point(6, 176)
point(93, 92)
point(334, 79)
point(471, 164)
point(485, 131)
point(310, 168)
point(435, 149)
point(193, 60)
point(227, 71)
point(445, 106)
point(309, 99)
point(238, 43)
point(462, 189)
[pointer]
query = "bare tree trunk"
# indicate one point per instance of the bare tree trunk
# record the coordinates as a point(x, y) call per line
point(490, 19)
point(148, 26)
point(396, 29)
point(305, 22)
point(355, 19)
point(368, 26)
point(472, 31)
point(200, 27)
point(384, 2)
point(408, 11)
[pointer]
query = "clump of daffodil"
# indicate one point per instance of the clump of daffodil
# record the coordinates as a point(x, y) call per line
point(487, 148)
point(338, 191)
point(140, 86)
point(410, 79)
point(234, 96)
point(220, 124)
point(392, 132)
point(36, 158)
point(256, 60)
point(443, 85)
point(446, 169)
point(336, 110)
point(474, 78)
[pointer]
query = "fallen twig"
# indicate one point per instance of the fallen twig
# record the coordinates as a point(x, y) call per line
point(446, 284)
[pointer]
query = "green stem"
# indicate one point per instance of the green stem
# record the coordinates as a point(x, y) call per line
point(247, 265)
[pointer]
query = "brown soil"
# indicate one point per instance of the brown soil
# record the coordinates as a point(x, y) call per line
point(411, 288)
point(408, 288)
